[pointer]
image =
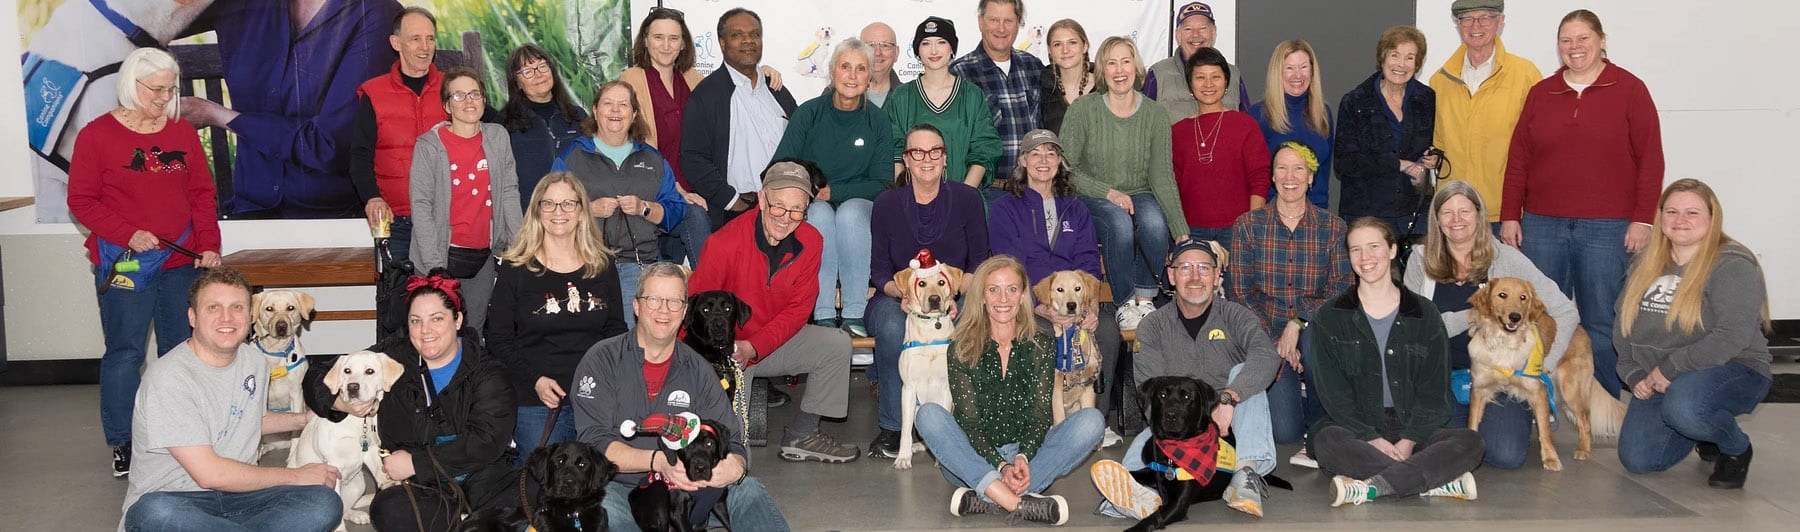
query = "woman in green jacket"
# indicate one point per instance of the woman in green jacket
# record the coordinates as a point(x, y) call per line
point(955, 106)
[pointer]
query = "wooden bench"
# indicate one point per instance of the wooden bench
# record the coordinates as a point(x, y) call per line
point(309, 268)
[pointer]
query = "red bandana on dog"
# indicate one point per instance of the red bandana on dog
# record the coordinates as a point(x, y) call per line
point(1194, 456)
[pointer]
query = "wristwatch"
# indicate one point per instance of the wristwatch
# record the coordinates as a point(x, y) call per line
point(1296, 320)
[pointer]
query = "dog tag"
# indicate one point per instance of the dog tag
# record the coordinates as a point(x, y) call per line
point(278, 373)
point(365, 443)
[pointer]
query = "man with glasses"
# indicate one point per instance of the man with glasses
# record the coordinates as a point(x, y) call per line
point(770, 259)
point(649, 372)
point(733, 122)
point(1167, 80)
point(1480, 91)
point(882, 78)
point(1220, 343)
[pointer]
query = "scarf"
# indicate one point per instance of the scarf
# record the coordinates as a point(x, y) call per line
point(1193, 458)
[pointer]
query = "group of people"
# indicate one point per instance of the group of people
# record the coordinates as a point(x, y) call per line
point(548, 233)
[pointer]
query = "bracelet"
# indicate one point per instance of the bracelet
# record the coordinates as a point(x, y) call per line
point(653, 459)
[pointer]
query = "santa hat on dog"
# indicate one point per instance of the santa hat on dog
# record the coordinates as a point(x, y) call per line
point(925, 265)
point(676, 430)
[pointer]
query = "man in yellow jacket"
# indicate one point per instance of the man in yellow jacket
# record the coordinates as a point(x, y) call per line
point(1480, 91)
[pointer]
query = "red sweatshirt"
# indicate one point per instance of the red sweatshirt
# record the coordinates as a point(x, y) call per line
point(780, 301)
point(1214, 194)
point(1593, 154)
point(121, 181)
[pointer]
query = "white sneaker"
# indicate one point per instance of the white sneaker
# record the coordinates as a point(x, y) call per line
point(1302, 460)
point(862, 359)
point(1461, 488)
point(1133, 312)
point(1110, 438)
point(1350, 491)
point(1125, 493)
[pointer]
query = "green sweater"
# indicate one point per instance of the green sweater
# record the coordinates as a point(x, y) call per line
point(967, 124)
point(855, 149)
point(1131, 155)
point(994, 410)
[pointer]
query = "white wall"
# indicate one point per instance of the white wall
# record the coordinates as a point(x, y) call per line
point(1726, 97)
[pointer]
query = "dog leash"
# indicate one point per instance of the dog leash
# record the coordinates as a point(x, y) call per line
point(549, 426)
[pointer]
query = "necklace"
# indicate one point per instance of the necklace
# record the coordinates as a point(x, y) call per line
point(1284, 215)
point(1204, 140)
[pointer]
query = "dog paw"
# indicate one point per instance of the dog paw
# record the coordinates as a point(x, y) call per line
point(904, 462)
point(1583, 455)
point(357, 516)
point(919, 447)
point(1552, 463)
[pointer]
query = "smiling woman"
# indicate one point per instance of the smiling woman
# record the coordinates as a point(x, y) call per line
point(1384, 133)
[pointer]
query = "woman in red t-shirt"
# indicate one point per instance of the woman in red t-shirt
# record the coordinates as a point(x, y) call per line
point(139, 178)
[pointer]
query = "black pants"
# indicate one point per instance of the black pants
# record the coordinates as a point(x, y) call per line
point(1445, 455)
point(392, 511)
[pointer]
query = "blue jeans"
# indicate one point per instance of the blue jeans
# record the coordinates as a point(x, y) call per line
point(296, 508)
point(689, 237)
point(748, 502)
point(1065, 446)
point(1249, 425)
point(1699, 406)
point(1292, 412)
point(400, 238)
point(1505, 428)
point(1221, 235)
point(1133, 247)
point(1587, 258)
point(530, 427)
point(846, 256)
point(628, 285)
point(125, 320)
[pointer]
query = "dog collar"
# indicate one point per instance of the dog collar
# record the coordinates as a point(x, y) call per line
point(913, 344)
point(134, 33)
point(283, 354)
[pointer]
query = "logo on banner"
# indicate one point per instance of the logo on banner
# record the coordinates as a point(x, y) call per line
point(812, 59)
point(1031, 42)
point(706, 52)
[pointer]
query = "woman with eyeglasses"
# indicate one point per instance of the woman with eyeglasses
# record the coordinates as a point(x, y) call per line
point(556, 294)
point(465, 192)
point(633, 192)
point(540, 113)
point(138, 179)
point(927, 213)
point(953, 105)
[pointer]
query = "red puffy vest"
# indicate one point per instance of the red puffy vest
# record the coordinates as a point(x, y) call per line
point(400, 117)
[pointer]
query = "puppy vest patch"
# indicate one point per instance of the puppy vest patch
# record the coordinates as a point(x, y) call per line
point(1071, 349)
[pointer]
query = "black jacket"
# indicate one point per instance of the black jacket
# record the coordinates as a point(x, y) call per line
point(1347, 368)
point(1368, 159)
point(706, 139)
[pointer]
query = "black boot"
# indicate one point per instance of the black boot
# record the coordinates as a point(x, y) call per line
point(1730, 469)
point(1708, 451)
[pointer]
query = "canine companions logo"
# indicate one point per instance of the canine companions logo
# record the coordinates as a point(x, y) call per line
point(1660, 294)
point(586, 389)
point(812, 58)
point(678, 399)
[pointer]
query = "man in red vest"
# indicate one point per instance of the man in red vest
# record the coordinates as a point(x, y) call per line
point(392, 111)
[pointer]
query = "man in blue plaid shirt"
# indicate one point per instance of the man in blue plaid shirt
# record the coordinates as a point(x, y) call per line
point(1008, 77)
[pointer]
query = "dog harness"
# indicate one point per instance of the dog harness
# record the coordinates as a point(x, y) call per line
point(53, 88)
point(1191, 459)
point(1534, 368)
point(1071, 349)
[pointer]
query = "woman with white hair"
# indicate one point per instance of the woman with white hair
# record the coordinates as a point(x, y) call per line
point(853, 144)
point(139, 182)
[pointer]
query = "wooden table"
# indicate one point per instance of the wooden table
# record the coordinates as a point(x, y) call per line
point(310, 267)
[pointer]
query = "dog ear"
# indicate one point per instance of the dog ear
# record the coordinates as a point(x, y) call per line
point(390, 372)
point(1144, 391)
point(956, 278)
point(1540, 316)
point(1090, 285)
point(539, 463)
point(604, 470)
point(903, 280)
point(724, 435)
point(693, 310)
point(1481, 304)
point(307, 313)
point(1207, 397)
point(255, 305)
point(1040, 292)
point(334, 377)
point(742, 313)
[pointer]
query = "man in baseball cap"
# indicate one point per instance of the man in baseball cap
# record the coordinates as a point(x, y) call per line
point(1167, 82)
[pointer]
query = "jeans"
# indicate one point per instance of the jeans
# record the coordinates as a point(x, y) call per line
point(295, 508)
point(1065, 446)
point(747, 501)
point(1699, 406)
point(847, 253)
point(400, 232)
point(689, 237)
point(1445, 455)
point(1133, 247)
point(530, 427)
point(1250, 429)
point(628, 286)
point(1505, 430)
point(1221, 235)
point(1587, 258)
point(125, 319)
point(1291, 410)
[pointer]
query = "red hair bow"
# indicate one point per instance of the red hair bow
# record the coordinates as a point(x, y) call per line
point(444, 283)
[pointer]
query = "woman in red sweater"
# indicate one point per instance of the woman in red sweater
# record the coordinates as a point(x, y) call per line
point(1220, 155)
point(1582, 179)
point(139, 179)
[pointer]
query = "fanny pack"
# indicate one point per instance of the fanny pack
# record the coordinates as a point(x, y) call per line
point(131, 270)
point(464, 263)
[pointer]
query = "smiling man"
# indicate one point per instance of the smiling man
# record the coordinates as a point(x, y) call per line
point(733, 121)
point(1008, 77)
point(1195, 28)
point(1480, 91)
point(393, 109)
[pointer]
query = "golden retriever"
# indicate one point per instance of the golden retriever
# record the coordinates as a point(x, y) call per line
point(1506, 321)
point(278, 318)
point(1072, 294)
point(924, 358)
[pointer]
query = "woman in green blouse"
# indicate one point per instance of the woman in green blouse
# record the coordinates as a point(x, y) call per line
point(1000, 447)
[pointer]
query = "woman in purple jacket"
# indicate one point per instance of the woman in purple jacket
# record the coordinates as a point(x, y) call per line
point(1046, 226)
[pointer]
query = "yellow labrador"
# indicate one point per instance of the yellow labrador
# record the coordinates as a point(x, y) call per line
point(924, 363)
point(280, 316)
point(1072, 294)
point(354, 442)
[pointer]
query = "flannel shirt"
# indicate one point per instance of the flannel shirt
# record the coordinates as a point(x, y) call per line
point(1279, 273)
point(1015, 98)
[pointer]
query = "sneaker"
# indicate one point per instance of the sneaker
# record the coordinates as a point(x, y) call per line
point(860, 359)
point(777, 398)
point(819, 447)
point(1130, 498)
point(121, 460)
point(830, 323)
point(1461, 488)
point(1133, 312)
point(1350, 491)
point(1301, 459)
point(855, 327)
point(1245, 494)
point(1110, 438)
point(1052, 510)
point(1708, 451)
point(885, 445)
point(966, 502)
point(1730, 470)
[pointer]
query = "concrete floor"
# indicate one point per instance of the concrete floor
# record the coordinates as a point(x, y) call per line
point(57, 477)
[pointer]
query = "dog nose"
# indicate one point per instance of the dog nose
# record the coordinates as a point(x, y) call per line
point(354, 388)
point(281, 328)
point(1515, 317)
point(1071, 306)
point(936, 302)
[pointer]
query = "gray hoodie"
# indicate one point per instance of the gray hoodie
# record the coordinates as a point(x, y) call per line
point(431, 195)
point(1730, 328)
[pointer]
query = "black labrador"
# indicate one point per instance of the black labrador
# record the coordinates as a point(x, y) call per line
point(1179, 409)
point(656, 507)
point(571, 481)
point(711, 322)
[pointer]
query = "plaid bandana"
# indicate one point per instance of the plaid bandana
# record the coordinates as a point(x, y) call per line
point(1194, 457)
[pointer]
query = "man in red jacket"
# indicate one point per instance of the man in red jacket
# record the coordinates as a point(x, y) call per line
point(770, 259)
point(392, 111)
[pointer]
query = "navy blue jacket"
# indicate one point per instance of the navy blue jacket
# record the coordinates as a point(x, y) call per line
point(536, 146)
point(706, 139)
point(1368, 157)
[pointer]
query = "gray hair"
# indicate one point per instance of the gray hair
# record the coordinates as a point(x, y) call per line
point(853, 45)
point(661, 269)
point(142, 63)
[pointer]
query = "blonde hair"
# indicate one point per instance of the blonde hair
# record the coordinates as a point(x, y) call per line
point(595, 256)
point(142, 63)
point(1137, 61)
point(1440, 264)
point(972, 330)
point(1657, 259)
point(1275, 99)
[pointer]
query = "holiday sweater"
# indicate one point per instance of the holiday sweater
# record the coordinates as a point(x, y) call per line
point(540, 324)
point(121, 181)
point(471, 196)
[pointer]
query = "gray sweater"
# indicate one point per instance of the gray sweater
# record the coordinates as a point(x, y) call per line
point(1508, 262)
point(609, 389)
point(431, 195)
point(1231, 335)
point(1730, 328)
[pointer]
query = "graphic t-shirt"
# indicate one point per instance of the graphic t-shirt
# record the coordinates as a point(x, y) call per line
point(1654, 305)
point(183, 402)
point(471, 194)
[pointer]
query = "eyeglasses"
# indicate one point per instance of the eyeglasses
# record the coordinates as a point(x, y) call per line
point(878, 45)
point(920, 154)
point(662, 303)
point(466, 96)
point(564, 206)
point(673, 13)
point(534, 71)
point(1476, 20)
point(784, 212)
point(160, 91)
point(1191, 268)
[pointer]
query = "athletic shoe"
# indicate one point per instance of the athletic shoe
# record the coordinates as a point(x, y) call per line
point(122, 460)
point(1350, 491)
point(1053, 510)
point(855, 327)
point(1730, 470)
point(1245, 494)
point(1301, 459)
point(965, 502)
point(1461, 488)
point(819, 447)
point(1110, 438)
point(886, 445)
point(1708, 451)
point(777, 398)
point(861, 359)
point(1133, 312)
point(1130, 498)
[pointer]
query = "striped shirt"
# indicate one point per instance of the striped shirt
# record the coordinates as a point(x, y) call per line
point(1280, 273)
point(1014, 96)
